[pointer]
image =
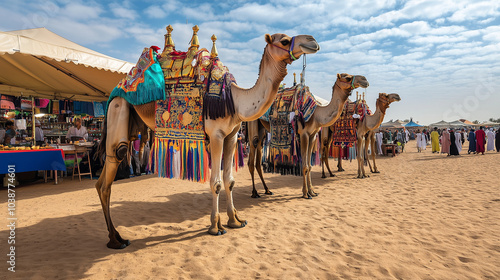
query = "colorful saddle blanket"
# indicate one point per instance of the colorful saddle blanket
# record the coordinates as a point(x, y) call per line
point(344, 129)
point(295, 103)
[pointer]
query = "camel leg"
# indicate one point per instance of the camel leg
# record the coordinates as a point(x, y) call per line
point(367, 158)
point(116, 151)
point(229, 148)
point(339, 164)
point(304, 143)
point(216, 143)
point(372, 142)
point(325, 159)
point(310, 190)
point(251, 168)
point(360, 157)
point(258, 166)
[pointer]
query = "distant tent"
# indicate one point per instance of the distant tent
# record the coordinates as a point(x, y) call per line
point(391, 124)
point(412, 124)
point(441, 124)
point(466, 122)
point(488, 123)
point(457, 124)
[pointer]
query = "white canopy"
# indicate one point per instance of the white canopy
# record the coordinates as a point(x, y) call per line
point(37, 62)
point(440, 124)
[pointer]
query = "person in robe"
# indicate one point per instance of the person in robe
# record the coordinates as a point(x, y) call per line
point(497, 140)
point(78, 131)
point(407, 133)
point(458, 140)
point(39, 137)
point(421, 141)
point(491, 140)
point(472, 141)
point(435, 140)
point(379, 138)
point(453, 144)
point(10, 133)
point(480, 140)
point(445, 142)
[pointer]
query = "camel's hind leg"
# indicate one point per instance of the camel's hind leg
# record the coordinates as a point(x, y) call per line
point(258, 166)
point(117, 122)
point(251, 168)
point(310, 190)
point(372, 143)
point(306, 161)
point(229, 149)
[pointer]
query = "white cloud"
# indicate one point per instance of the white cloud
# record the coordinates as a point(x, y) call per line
point(122, 11)
point(478, 10)
point(155, 11)
point(79, 11)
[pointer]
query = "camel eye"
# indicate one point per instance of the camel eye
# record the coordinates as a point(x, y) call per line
point(348, 79)
point(285, 42)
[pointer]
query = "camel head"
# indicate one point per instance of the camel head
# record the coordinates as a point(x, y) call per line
point(348, 82)
point(289, 49)
point(384, 100)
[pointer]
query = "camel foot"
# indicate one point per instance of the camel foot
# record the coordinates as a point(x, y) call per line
point(341, 169)
point(307, 196)
point(236, 222)
point(115, 244)
point(255, 194)
point(323, 176)
point(268, 192)
point(312, 193)
point(216, 228)
point(332, 175)
point(376, 171)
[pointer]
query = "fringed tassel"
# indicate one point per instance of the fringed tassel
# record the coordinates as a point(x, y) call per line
point(180, 159)
point(215, 107)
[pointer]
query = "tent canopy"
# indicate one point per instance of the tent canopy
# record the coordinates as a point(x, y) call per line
point(440, 124)
point(37, 62)
point(391, 124)
point(412, 124)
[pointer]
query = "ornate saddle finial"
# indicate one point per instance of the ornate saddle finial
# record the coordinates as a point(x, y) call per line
point(169, 43)
point(214, 53)
point(294, 79)
point(357, 95)
point(195, 43)
point(363, 96)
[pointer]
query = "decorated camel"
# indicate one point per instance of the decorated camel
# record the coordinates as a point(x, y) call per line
point(124, 119)
point(322, 116)
point(365, 131)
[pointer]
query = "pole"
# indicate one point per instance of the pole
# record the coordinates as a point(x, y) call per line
point(33, 119)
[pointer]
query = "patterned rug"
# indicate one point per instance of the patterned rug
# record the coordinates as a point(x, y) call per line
point(291, 105)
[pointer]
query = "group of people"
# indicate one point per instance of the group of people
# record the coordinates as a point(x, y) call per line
point(398, 137)
point(452, 141)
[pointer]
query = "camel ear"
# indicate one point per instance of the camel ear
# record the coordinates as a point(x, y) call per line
point(338, 76)
point(269, 39)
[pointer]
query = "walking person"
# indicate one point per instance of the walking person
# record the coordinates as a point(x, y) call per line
point(453, 144)
point(491, 140)
point(472, 141)
point(458, 140)
point(497, 140)
point(435, 140)
point(480, 140)
point(445, 142)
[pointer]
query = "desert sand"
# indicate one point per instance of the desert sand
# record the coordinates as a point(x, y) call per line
point(425, 216)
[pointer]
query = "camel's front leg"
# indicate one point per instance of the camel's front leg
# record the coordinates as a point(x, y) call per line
point(306, 160)
point(229, 148)
point(367, 158)
point(360, 157)
point(258, 166)
point(216, 142)
point(310, 148)
point(372, 143)
point(325, 160)
point(251, 166)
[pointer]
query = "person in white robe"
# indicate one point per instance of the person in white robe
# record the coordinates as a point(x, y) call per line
point(407, 133)
point(491, 140)
point(458, 140)
point(378, 138)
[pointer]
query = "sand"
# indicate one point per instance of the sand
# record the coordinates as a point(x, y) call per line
point(425, 216)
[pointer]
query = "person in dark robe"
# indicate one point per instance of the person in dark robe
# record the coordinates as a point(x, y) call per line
point(497, 140)
point(480, 140)
point(472, 141)
point(453, 144)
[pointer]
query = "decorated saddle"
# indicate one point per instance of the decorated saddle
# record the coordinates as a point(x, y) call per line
point(291, 104)
point(186, 87)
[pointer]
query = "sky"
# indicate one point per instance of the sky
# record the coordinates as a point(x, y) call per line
point(441, 57)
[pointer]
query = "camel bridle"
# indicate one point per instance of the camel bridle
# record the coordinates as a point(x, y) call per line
point(290, 50)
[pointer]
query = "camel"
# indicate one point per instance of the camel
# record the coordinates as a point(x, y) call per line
point(365, 128)
point(323, 116)
point(124, 121)
point(366, 131)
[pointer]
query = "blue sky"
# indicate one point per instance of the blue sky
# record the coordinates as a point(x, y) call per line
point(441, 57)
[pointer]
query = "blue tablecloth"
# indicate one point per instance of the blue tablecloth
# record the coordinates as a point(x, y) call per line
point(32, 160)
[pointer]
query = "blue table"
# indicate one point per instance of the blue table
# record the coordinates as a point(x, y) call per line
point(32, 160)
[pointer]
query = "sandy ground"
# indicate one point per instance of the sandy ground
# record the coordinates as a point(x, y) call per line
point(425, 216)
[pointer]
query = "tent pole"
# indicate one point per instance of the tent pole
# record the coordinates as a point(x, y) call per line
point(33, 119)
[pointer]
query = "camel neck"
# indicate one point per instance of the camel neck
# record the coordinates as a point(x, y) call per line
point(373, 121)
point(252, 103)
point(327, 115)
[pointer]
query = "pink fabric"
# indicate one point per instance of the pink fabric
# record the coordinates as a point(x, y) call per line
point(445, 142)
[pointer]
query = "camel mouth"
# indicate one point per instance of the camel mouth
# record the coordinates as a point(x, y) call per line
point(309, 48)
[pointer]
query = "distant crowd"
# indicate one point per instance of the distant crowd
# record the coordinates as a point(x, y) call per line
point(445, 141)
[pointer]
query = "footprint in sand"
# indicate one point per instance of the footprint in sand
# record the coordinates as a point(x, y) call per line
point(465, 260)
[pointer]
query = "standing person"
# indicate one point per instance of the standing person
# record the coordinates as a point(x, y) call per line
point(400, 137)
point(453, 144)
point(491, 140)
point(435, 140)
point(480, 140)
point(407, 133)
point(378, 138)
point(497, 140)
point(472, 141)
point(39, 138)
point(445, 142)
point(10, 133)
point(464, 135)
point(77, 131)
point(458, 140)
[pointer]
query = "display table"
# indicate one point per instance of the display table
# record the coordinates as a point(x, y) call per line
point(389, 147)
point(33, 160)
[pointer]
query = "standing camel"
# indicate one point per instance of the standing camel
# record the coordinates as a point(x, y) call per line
point(366, 131)
point(323, 116)
point(368, 125)
point(124, 121)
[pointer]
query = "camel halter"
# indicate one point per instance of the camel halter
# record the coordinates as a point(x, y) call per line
point(290, 50)
point(352, 83)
